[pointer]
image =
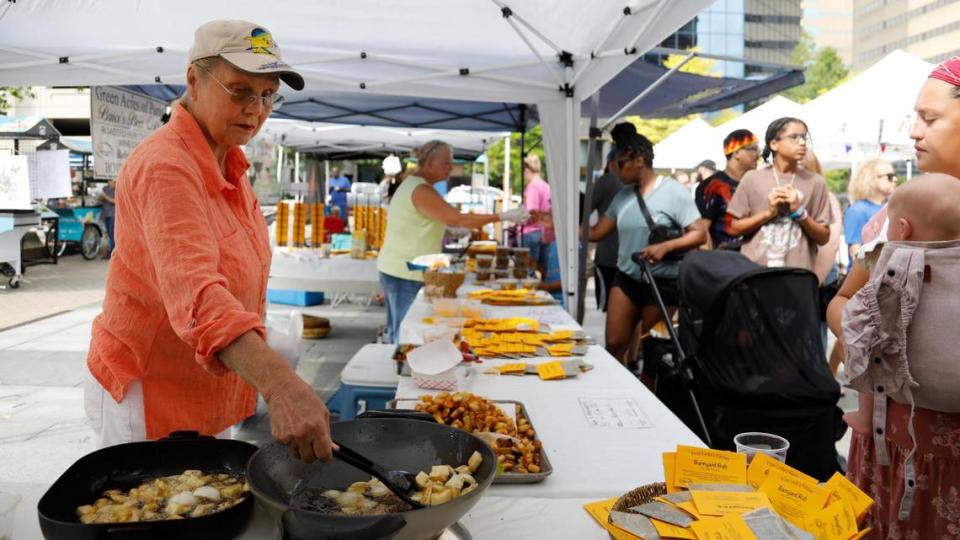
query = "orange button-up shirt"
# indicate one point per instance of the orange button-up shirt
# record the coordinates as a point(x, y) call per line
point(188, 276)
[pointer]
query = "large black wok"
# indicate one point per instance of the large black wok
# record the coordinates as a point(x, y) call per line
point(396, 443)
point(125, 466)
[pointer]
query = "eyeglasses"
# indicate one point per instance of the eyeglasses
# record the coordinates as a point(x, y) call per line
point(891, 177)
point(247, 97)
point(797, 138)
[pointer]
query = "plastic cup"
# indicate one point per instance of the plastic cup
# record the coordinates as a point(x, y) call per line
point(8, 511)
point(754, 442)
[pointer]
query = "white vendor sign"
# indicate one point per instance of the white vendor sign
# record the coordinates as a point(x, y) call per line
point(119, 120)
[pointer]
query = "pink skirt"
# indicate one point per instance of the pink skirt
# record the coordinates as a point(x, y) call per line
point(936, 503)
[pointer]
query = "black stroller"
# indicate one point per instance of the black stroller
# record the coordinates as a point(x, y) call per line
point(749, 357)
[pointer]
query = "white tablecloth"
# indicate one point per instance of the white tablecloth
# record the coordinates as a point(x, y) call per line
point(305, 271)
point(590, 463)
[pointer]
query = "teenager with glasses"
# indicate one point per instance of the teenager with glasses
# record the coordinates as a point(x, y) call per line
point(782, 211)
point(872, 184)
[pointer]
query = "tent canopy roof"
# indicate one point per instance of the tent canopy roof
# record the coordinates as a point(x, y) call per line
point(27, 127)
point(340, 141)
point(680, 95)
point(684, 148)
point(684, 93)
point(873, 108)
point(522, 52)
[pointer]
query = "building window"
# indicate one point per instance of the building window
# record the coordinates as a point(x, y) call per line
point(770, 44)
point(771, 19)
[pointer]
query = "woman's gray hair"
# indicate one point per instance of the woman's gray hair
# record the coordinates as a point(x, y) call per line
point(431, 150)
point(204, 66)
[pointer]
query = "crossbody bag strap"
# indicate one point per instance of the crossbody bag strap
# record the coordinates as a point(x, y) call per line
point(644, 210)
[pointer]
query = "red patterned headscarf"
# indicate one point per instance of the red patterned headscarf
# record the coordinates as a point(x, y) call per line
point(738, 139)
point(948, 71)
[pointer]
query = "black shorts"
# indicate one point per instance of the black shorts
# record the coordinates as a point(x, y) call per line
point(603, 282)
point(640, 293)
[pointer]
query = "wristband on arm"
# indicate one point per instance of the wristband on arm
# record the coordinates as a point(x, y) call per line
point(799, 215)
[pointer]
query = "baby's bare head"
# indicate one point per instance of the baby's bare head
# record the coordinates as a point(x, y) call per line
point(926, 209)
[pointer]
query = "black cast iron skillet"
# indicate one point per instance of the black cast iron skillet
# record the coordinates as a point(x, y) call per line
point(397, 443)
point(127, 465)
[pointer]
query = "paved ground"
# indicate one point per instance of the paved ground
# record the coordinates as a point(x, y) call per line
point(43, 428)
point(49, 289)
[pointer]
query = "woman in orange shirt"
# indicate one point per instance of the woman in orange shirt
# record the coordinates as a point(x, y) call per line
point(180, 344)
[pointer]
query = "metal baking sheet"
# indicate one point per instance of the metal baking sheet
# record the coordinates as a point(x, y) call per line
point(546, 468)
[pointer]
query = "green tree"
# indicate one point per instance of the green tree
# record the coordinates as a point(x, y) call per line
point(11, 94)
point(534, 142)
point(837, 180)
point(823, 69)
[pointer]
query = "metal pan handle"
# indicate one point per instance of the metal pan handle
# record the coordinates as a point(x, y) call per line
point(407, 414)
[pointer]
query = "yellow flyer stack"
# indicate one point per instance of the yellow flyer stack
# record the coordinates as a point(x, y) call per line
point(715, 495)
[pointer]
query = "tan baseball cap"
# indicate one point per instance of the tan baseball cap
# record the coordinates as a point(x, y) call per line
point(247, 46)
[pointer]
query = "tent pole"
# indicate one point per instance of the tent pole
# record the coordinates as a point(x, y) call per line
point(654, 19)
point(592, 162)
point(523, 148)
point(656, 84)
point(569, 226)
point(518, 229)
point(326, 178)
point(280, 167)
point(614, 28)
point(507, 184)
point(509, 15)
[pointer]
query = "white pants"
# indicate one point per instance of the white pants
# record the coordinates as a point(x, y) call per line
point(118, 423)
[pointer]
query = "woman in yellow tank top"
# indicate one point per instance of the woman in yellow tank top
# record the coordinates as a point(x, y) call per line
point(416, 219)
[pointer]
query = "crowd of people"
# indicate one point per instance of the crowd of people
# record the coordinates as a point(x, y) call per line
point(772, 204)
point(180, 343)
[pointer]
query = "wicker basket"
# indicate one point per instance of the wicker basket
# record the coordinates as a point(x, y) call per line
point(442, 284)
point(639, 496)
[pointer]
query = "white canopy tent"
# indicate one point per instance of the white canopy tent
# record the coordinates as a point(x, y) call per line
point(554, 53)
point(869, 115)
point(687, 147)
point(352, 140)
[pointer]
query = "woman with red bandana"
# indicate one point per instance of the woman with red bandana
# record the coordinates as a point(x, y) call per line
point(917, 490)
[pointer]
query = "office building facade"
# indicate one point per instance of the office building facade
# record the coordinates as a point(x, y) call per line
point(929, 29)
point(830, 24)
point(764, 31)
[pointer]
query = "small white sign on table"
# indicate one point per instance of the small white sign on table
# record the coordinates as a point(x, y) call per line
point(620, 413)
point(14, 183)
point(49, 174)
